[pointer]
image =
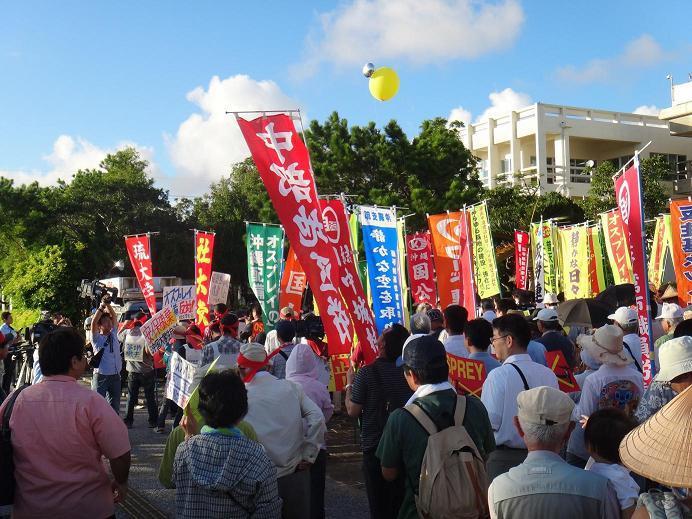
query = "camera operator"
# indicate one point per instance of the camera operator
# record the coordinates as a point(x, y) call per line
point(107, 359)
point(11, 338)
point(36, 333)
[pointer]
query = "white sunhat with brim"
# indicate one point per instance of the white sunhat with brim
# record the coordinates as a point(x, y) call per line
point(670, 311)
point(624, 316)
point(675, 358)
point(550, 299)
point(606, 346)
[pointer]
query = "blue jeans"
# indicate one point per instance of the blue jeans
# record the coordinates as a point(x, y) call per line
point(108, 386)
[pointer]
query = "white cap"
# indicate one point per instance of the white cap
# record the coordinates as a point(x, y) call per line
point(546, 315)
point(670, 311)
point(624, 316)
point(675, 358)
point(550, 299)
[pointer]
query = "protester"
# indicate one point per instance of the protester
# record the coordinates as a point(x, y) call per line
point(535, 349)
point(544, 486)
point(603, 433)
point(552, 335)
point(305, 368)
point(255, 325)
point(227, 347)
point(404, 441)
point(615, 384)
point(140, 374)
point(673, 378)
point(504, 305)
point(7, 365)
point(104, 339)
point(219, 472)
point(627, 320)
point(288, 424)
point(285, 332)
point(488, 307)
point(420, 323)
point(455, 321)
point(372, 395)
point(272, 342)
point(591, 365)
point(60, 431)
point(671, 316)
point(479, 333)
point(518, 372)
point(682, 329)
point(169, 406)
point(437, 323)
point(661, 450)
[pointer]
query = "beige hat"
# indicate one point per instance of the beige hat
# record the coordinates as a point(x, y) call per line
point(687, 313)
point(287, 311)
point(544, 406)
point(550, 299)
point(606, 346)
point(670, 292)
point(661, 448)
point(179, 331)
point(675, 358)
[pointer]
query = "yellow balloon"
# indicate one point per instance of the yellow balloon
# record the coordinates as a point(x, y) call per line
point(383, 84)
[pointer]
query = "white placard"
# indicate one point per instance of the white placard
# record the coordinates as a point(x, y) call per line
point(180, 381)
point(181, 299)
point(218, 288)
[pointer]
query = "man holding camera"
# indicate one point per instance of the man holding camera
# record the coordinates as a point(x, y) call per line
point(107, 361)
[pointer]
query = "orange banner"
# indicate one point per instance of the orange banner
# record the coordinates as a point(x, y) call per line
point(565, 377)
point(466, 375)
point(444, 232)
point(617, 246)
point(292, 284)
point(340, 364)
point(681, 224)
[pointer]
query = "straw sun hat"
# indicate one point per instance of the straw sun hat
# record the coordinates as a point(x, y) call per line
point(606, 346)
point(661, 448)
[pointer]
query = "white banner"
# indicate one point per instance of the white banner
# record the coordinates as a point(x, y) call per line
point(218, 288)
point(181, 300)
point(180, 381)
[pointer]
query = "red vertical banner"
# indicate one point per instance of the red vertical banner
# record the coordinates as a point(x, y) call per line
point(284, 165)
point(292, 284)
point(468, 283)
point(139, 250)
point(628, 193)
point(204, 252)
point(522, 245)
point(444, 232)
point(421, 272)
point(681, 225)
point(339, 235)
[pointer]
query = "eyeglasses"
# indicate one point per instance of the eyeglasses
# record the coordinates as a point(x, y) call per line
point(498, 338)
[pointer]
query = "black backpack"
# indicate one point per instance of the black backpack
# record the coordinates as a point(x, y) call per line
point(7, 481)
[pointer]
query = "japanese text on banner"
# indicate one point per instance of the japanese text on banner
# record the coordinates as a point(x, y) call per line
point(617, 246)
point(158, 329)
point(538, 257)
point(521, 259)
point(180, 382)
point(681, 224)
point(547, 256)
point(204, 252)
point(218, 288)
point(466, 375)
point(380, 242)
point(265, 247)
point(420, 268)
point(181, 300)
point(484, 262)
point(575, 261)
point(139, 250)
point(292, 284)
point(445, 235)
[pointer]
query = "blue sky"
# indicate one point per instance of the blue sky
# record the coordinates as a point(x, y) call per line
point(78, 78)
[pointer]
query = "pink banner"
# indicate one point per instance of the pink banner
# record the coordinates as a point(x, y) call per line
point(521, 259)
point(468, 284)
point(628, 194)
point(421, 274)
point(139, 250)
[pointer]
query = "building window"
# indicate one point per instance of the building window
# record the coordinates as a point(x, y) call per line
point(678, 165)
point(550, 169)
point(578, 171)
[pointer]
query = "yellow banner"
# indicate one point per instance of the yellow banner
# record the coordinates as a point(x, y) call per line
point(401, 246)
point(485, 266)
point(574, 247)
point(550, 256)
point(617, 247)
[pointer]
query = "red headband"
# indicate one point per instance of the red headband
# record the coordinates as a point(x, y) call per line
point(254, 365)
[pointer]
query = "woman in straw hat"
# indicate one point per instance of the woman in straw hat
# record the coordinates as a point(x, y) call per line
point(661, 449)
point(614, 384)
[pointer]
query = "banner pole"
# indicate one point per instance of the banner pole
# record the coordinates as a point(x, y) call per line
point(636, 153)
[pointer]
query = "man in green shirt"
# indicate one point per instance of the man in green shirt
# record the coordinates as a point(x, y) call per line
point(404, 440)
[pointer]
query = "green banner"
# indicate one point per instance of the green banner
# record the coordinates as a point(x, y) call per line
point(265, 247)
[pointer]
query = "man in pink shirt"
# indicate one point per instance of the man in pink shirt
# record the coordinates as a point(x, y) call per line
point(60, 431)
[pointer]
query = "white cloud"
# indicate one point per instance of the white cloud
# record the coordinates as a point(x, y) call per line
point(639, 53)
point(413, 30)
point(501, 103)
point(647, 110)
point(208, 142)
point(71, 154)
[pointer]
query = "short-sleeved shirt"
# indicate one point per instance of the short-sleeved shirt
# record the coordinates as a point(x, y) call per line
point(654, 398)
point(404, 440)
point(456, 345)
point(60, 430)
point(278, 368)
point(367, 392)
point(226, 348)
point(111, 361)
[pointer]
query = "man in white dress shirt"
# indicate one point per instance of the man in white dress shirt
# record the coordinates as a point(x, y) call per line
point(455, 322)
point(511, 335)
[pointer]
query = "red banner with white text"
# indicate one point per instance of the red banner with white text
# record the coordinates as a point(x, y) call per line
point(681, 225)
point(139, 250)
point(204, 252)
point(628, 194)
point(284, 165)
point(421, 273)
point(444, 233)
point(292, 284)
point(522, 246)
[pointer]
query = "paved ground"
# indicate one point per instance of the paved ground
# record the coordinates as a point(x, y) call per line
point(344, 496)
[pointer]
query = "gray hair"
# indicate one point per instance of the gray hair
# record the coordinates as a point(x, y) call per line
point(674, 321)
point(547, 436)
point(420, 323)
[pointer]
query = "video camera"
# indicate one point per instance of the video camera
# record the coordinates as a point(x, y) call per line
point(311, 326)
point(96, 291)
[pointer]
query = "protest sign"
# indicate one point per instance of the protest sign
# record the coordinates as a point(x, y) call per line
point(157, 330)
point(574, 241)
point(466, 375)
point(218, 288)
point(444, 235)
point(421, 273)
point(133, 351)
point(181, 300)
point(180, 382)
point(521, 259)
point(681, 224)
point(617, 246)
point(565, 378)
point(484, 259)
point(292, 284)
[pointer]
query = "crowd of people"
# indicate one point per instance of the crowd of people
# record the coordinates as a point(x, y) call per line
point(252, 441)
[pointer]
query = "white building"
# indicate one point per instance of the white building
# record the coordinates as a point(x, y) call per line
point(550, 146)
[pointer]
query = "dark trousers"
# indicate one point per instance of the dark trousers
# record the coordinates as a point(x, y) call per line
point(166, 406)
point(135, 381)
point(318, 474)
point(384, 497)
point(294, 490)
point(503, 459)
point(9, 373)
